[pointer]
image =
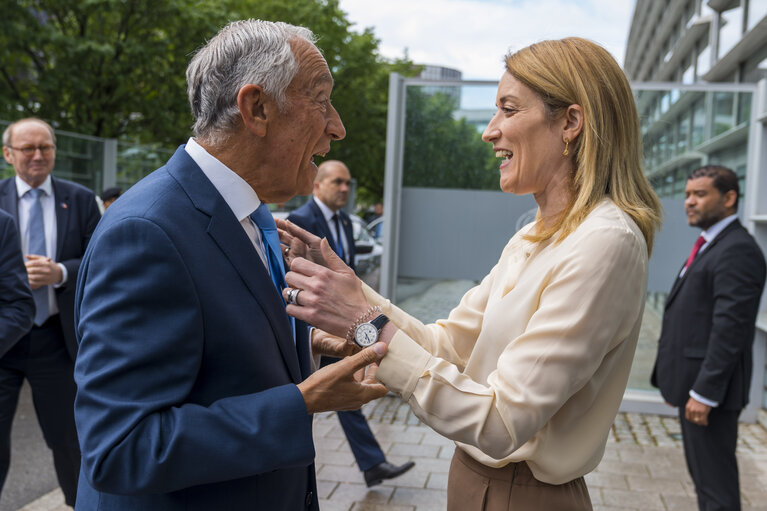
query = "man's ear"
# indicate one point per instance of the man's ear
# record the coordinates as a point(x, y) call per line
point(729, 199)
point(573, 118)
point(8, 155)
point(251, 101)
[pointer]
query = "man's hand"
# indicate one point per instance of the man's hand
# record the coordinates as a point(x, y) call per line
point(345, 385)
point(329, 345)
point(301, 243)
point(42, 271)
point(696, 412)
point(330, 298)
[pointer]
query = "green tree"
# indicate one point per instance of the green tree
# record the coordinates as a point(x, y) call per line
point(109, 68)
point(116, 68)
point(442, 152)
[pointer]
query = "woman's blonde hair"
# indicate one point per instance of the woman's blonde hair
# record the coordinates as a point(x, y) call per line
point(608, 151)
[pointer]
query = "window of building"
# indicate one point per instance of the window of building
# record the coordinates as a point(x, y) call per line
point(683, 133)
point(744, 108)
point(730, 30)
point(757, 9)
point(698, 122)
point(723, 112)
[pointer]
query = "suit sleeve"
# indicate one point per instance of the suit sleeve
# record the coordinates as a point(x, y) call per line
point(738, 281)
point(17, 308)
point(88, 217)
point(142, 345)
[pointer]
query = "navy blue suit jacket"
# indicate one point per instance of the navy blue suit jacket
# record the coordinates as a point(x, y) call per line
point(17, 308)
point(76, 217)
point(187, 368)
point(310, 217)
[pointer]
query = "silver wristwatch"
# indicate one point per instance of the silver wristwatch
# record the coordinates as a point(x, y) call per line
point(367, 334)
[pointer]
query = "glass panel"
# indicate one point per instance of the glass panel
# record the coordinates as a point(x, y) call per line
point(136, 161)
point(698, 122)
point(443, 138)
point(757, 9)
point(723, 112)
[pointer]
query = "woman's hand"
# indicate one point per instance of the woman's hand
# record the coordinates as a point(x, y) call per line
point(298, 243)
point(330, 298)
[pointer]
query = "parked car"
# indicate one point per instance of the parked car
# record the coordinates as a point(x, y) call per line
point(368, 249)
point(376, 228)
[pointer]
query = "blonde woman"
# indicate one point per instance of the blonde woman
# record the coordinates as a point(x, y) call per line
point(526, 374)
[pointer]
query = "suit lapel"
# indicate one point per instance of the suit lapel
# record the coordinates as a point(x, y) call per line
point(63, 209)
point(349, 233)
point(9, 199)
point(228, 234)
point(679, 282)
point(324, 230)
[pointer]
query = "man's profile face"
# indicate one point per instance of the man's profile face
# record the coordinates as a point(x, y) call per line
point(35, 167)
point(306, 126)
point(333, 188)
point(704, 204)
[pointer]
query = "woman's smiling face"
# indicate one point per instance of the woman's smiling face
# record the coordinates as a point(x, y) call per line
point(526, 137)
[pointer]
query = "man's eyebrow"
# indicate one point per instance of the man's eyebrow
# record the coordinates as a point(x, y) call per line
point(322, 80)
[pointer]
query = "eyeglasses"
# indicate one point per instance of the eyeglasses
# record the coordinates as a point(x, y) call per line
point(29, 150)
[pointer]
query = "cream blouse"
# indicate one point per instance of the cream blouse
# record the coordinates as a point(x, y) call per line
point(533, 362)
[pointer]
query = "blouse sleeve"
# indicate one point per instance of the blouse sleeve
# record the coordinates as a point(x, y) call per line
point(588, 303)
point(451, 339)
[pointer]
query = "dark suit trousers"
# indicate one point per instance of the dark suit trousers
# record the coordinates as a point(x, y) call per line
point(364, 446)
point(710, 454)
point(41, 357)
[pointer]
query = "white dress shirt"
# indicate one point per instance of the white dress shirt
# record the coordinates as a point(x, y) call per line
point(328, 214)
point(48, 203)
point(237, 193)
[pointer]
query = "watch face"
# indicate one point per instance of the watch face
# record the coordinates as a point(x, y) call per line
point(366, 335)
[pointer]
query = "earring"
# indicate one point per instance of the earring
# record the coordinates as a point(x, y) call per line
point(567, 143)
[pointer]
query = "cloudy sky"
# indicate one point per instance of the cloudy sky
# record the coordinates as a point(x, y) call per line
point(473, 35)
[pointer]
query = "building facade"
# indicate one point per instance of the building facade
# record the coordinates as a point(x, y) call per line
point(692, 42)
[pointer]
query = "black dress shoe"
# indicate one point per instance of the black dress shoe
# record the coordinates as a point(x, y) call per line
point(385, 470)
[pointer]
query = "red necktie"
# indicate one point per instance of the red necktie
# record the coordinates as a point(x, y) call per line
point(695, 248)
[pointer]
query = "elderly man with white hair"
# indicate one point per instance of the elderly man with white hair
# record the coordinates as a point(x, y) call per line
point(195, 389)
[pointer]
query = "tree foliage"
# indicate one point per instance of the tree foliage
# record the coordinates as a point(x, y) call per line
point(443, 152)
point(108, 68)
point(116, 69)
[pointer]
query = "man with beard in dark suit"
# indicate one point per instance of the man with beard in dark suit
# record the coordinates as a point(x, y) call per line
point(704, 357)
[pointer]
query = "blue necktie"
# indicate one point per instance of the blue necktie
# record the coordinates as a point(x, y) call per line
point(36, 245)
point(265, 221)
point(339, 243)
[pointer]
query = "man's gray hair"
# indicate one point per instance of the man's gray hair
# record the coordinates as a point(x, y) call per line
point(243, 52)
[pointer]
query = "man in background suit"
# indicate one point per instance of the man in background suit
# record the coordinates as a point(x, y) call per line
point(323, 216)
point(704, 359)
point(55, 219)
point(194, 386)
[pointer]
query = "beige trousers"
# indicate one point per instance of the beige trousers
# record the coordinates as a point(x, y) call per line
point(473, 486)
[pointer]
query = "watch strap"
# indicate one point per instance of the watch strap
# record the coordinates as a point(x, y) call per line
point(380, 321)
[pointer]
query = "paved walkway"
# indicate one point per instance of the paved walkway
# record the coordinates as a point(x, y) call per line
point(643, 467)
point(642, 470)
